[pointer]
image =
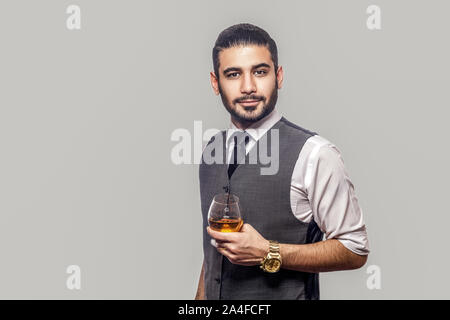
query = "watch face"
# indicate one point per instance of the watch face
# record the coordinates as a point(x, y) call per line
point(272, 265)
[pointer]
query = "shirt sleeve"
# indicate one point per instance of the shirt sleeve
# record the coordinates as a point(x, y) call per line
point(333, 200)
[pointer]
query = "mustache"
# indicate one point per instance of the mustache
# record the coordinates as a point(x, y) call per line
point(252, 97)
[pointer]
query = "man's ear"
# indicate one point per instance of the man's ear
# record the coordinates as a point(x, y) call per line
point(214, 82)
point(280, 74)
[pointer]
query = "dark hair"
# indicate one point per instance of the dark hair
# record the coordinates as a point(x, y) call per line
point(243, 34)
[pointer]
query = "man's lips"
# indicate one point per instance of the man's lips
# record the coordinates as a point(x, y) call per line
point(249, 103)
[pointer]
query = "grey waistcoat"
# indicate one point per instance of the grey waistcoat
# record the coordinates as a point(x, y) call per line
point(265, 204)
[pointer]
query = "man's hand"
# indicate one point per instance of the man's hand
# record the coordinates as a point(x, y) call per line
point(246, 247)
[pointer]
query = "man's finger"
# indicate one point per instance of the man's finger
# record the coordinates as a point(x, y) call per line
point(221, 236)
point(227, 254)
point(224, 245)
point(217, 243)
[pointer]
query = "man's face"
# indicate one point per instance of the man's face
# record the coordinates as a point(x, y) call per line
point(247, 82)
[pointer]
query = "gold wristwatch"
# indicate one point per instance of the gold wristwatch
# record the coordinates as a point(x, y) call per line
point(272, 261)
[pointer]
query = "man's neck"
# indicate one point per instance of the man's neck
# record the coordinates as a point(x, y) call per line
point(241, 124)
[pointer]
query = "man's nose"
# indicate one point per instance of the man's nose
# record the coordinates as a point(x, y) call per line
point(248, 84)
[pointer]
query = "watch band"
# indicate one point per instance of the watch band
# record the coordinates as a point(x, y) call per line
point(274, 246)
point(273, 254)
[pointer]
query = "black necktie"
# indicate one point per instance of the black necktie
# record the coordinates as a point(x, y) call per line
point(241, 138)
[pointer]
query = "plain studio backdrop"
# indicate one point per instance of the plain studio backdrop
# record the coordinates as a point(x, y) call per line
point(86, 117)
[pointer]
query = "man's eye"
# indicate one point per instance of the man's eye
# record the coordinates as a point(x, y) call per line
point(261, 72)
point(232, 75)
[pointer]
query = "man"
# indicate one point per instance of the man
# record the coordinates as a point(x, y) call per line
point(279, 250)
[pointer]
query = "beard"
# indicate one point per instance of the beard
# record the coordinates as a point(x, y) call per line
point(250, 114)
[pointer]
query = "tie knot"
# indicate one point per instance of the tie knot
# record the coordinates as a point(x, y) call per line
point(240, 137)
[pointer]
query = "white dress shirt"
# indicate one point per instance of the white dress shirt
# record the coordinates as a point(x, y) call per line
point(320, 187)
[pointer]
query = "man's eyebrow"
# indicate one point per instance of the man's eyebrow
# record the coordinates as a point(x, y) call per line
point(240, 69)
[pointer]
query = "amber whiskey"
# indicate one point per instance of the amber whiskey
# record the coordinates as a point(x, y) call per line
point(226, 225)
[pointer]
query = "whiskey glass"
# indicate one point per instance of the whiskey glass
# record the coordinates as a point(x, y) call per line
point(224, 214)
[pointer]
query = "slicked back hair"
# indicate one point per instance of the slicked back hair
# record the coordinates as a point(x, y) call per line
point(243, 34)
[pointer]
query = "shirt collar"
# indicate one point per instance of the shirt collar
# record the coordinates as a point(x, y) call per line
point(258, 128)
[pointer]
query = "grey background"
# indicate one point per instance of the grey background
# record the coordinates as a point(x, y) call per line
point(86, 118)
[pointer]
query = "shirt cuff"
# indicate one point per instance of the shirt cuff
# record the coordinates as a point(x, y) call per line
point(361, 248)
